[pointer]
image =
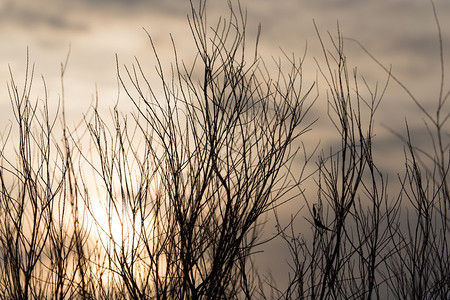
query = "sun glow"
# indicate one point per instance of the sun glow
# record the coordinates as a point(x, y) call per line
point(113, 222)
point(120, 237)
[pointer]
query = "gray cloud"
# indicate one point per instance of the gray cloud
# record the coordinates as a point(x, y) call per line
point(82, 14)
point(31, 15)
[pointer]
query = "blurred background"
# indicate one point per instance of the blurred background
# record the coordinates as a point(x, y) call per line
point(399, 33)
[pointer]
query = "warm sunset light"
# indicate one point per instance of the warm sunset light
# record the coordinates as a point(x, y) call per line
point(113, 223)
point(211, 149)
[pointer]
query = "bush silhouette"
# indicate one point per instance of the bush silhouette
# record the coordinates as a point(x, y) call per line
point(169, 201)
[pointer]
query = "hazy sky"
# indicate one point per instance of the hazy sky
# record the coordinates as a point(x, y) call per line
point(398, 32)
point(401, 33)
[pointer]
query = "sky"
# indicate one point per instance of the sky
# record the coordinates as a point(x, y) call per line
point(399, 33)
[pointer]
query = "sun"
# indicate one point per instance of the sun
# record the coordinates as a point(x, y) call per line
point(112, 222)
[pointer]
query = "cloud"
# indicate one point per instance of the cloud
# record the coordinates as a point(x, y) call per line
point(27, 14)
point(82, 14)
point(124, 7)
